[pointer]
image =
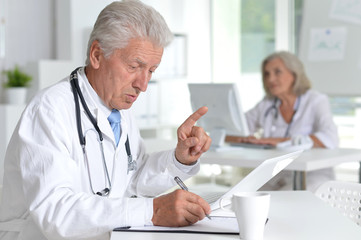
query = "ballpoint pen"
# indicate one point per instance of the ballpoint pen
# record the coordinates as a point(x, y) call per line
point(184, 187)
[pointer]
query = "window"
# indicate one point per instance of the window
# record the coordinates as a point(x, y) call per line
point(257, 33)
point(244, 32)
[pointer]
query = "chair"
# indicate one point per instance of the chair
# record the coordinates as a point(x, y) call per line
point(345, 196)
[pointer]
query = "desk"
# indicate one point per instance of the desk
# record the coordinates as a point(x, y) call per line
point(296, 215)
point(310, 160)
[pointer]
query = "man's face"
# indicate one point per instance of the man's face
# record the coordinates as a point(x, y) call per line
point(126, 73)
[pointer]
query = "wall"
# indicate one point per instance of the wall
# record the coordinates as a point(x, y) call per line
point(29, 26)
point(75, 20)
point(26, 32)
point(330, 46)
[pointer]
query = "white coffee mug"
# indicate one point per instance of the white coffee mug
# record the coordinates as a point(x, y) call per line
point(251, 209)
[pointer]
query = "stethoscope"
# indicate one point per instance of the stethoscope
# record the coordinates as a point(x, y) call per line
point(273, 107)
point(132, 164)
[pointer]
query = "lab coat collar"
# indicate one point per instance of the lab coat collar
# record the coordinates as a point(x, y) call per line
point(95, 105)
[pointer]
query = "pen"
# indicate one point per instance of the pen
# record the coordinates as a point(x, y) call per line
point(184, 187)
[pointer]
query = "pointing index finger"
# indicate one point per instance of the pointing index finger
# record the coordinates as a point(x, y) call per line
point(192, 119)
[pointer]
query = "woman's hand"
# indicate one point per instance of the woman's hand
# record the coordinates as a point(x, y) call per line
point(254, 140)
point(238, 139)
point(269, 141)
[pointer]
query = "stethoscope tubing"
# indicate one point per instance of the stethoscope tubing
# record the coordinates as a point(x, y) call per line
point(274, 107)
point(132, 164)
point(78, 94)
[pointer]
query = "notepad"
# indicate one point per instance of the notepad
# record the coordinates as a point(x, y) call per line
point(218, 225)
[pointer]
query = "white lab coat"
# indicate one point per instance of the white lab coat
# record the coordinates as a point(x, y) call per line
point(313, 116)
point(46, 185)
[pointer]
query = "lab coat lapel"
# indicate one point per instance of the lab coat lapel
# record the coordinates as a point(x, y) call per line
point(102, 120)
point(104, 124)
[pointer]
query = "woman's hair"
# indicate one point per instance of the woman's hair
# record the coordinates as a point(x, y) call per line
point(121, 21)
point(294, 65)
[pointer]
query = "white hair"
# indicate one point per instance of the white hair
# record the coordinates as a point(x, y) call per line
point(119, 22)
point(295, 66)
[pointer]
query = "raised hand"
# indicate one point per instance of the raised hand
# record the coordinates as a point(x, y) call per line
point(192, 140)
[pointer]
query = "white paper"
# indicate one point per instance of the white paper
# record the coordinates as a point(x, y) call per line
point(346, 10)
point(327, 44)
point(216, 225)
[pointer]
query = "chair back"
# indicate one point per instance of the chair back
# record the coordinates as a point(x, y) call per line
point(345, 196)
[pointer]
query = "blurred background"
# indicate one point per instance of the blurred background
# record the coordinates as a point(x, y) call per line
point(215, 41)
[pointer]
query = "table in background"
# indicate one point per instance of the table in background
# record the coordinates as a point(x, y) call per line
point(310, 160)
point(296, 215)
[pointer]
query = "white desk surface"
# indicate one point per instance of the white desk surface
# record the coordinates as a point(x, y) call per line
point(296, 215)
point(309, 160)
point(313, 159)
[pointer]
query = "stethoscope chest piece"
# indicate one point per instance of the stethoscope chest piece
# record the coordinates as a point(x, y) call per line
point(132, 164)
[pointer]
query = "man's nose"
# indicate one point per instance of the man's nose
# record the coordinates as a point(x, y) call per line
point(142, 80)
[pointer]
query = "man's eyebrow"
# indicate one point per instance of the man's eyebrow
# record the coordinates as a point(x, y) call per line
point(141, 62)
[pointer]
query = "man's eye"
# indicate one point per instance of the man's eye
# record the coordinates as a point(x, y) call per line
point(132, 68)
point(152, 70)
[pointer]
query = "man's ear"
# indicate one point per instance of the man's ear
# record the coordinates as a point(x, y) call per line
point(95, 54)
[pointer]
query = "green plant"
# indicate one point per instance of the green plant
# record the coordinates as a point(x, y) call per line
point(16, 78)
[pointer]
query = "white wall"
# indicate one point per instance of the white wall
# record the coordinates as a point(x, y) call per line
point(26, 32)
point(75, 20)
point(191, 18)
point(29, 26)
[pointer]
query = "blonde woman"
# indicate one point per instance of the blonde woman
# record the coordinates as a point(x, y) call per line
point(290, 109)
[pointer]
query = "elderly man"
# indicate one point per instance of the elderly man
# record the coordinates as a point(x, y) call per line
point(76, 166)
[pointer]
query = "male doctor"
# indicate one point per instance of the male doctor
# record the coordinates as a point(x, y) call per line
point(55, 189)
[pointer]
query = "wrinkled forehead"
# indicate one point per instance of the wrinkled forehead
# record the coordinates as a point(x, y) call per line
point(142, 51)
